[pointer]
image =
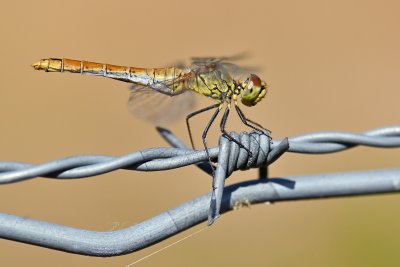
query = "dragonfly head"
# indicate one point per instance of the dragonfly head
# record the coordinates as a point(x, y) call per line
point(253, 90)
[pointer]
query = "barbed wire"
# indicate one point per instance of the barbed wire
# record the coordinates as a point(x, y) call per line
point(223, 199)
point(157, 159)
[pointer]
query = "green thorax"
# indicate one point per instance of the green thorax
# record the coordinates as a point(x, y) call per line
point(217, 84)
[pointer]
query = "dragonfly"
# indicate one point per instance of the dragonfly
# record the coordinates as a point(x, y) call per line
point(212, 77)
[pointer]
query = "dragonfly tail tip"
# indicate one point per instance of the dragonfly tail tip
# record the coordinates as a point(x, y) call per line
point(36, 65)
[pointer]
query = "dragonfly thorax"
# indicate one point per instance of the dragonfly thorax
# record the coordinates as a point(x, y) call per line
point(252, 90)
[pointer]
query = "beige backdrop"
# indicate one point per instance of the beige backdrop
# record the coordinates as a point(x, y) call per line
point(332, 65)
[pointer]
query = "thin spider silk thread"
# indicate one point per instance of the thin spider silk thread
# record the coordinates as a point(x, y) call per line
point(168, 246)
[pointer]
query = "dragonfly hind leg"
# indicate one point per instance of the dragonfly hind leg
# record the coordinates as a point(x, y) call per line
point(197, 112)
point(204, 136)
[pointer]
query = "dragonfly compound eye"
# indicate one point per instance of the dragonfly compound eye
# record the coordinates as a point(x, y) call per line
point(254, 89)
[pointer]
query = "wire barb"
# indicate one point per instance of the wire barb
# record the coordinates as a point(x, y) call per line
point(231, 158)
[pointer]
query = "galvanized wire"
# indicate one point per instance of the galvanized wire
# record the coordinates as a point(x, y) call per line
point(197, 210)
point(157, 159)
point(193, 212)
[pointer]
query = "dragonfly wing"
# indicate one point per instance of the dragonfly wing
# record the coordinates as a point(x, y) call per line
point(158, 108)
point(232, 58)
point(208, 64)
point(239, 71)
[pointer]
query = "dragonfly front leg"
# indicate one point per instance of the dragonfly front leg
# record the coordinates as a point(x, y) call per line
point(254, 125)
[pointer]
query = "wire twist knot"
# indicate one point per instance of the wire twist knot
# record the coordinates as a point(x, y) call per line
point(232, 157)
point(239, 159)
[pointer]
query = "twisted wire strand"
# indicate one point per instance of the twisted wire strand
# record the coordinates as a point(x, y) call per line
point(157, 159)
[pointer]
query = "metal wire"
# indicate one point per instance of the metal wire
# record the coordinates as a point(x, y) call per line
point(193, 212)
point(157, 159)
point(197, 210)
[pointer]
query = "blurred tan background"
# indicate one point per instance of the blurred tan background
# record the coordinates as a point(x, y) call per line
point(332, 65)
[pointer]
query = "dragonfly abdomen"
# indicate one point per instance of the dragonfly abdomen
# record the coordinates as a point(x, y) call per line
point(143, 76)
point(76, 66)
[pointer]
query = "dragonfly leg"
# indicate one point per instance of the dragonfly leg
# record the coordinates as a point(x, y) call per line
point(226, 135)
point(204, 136)
point(254, 125)
point(194, 114)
